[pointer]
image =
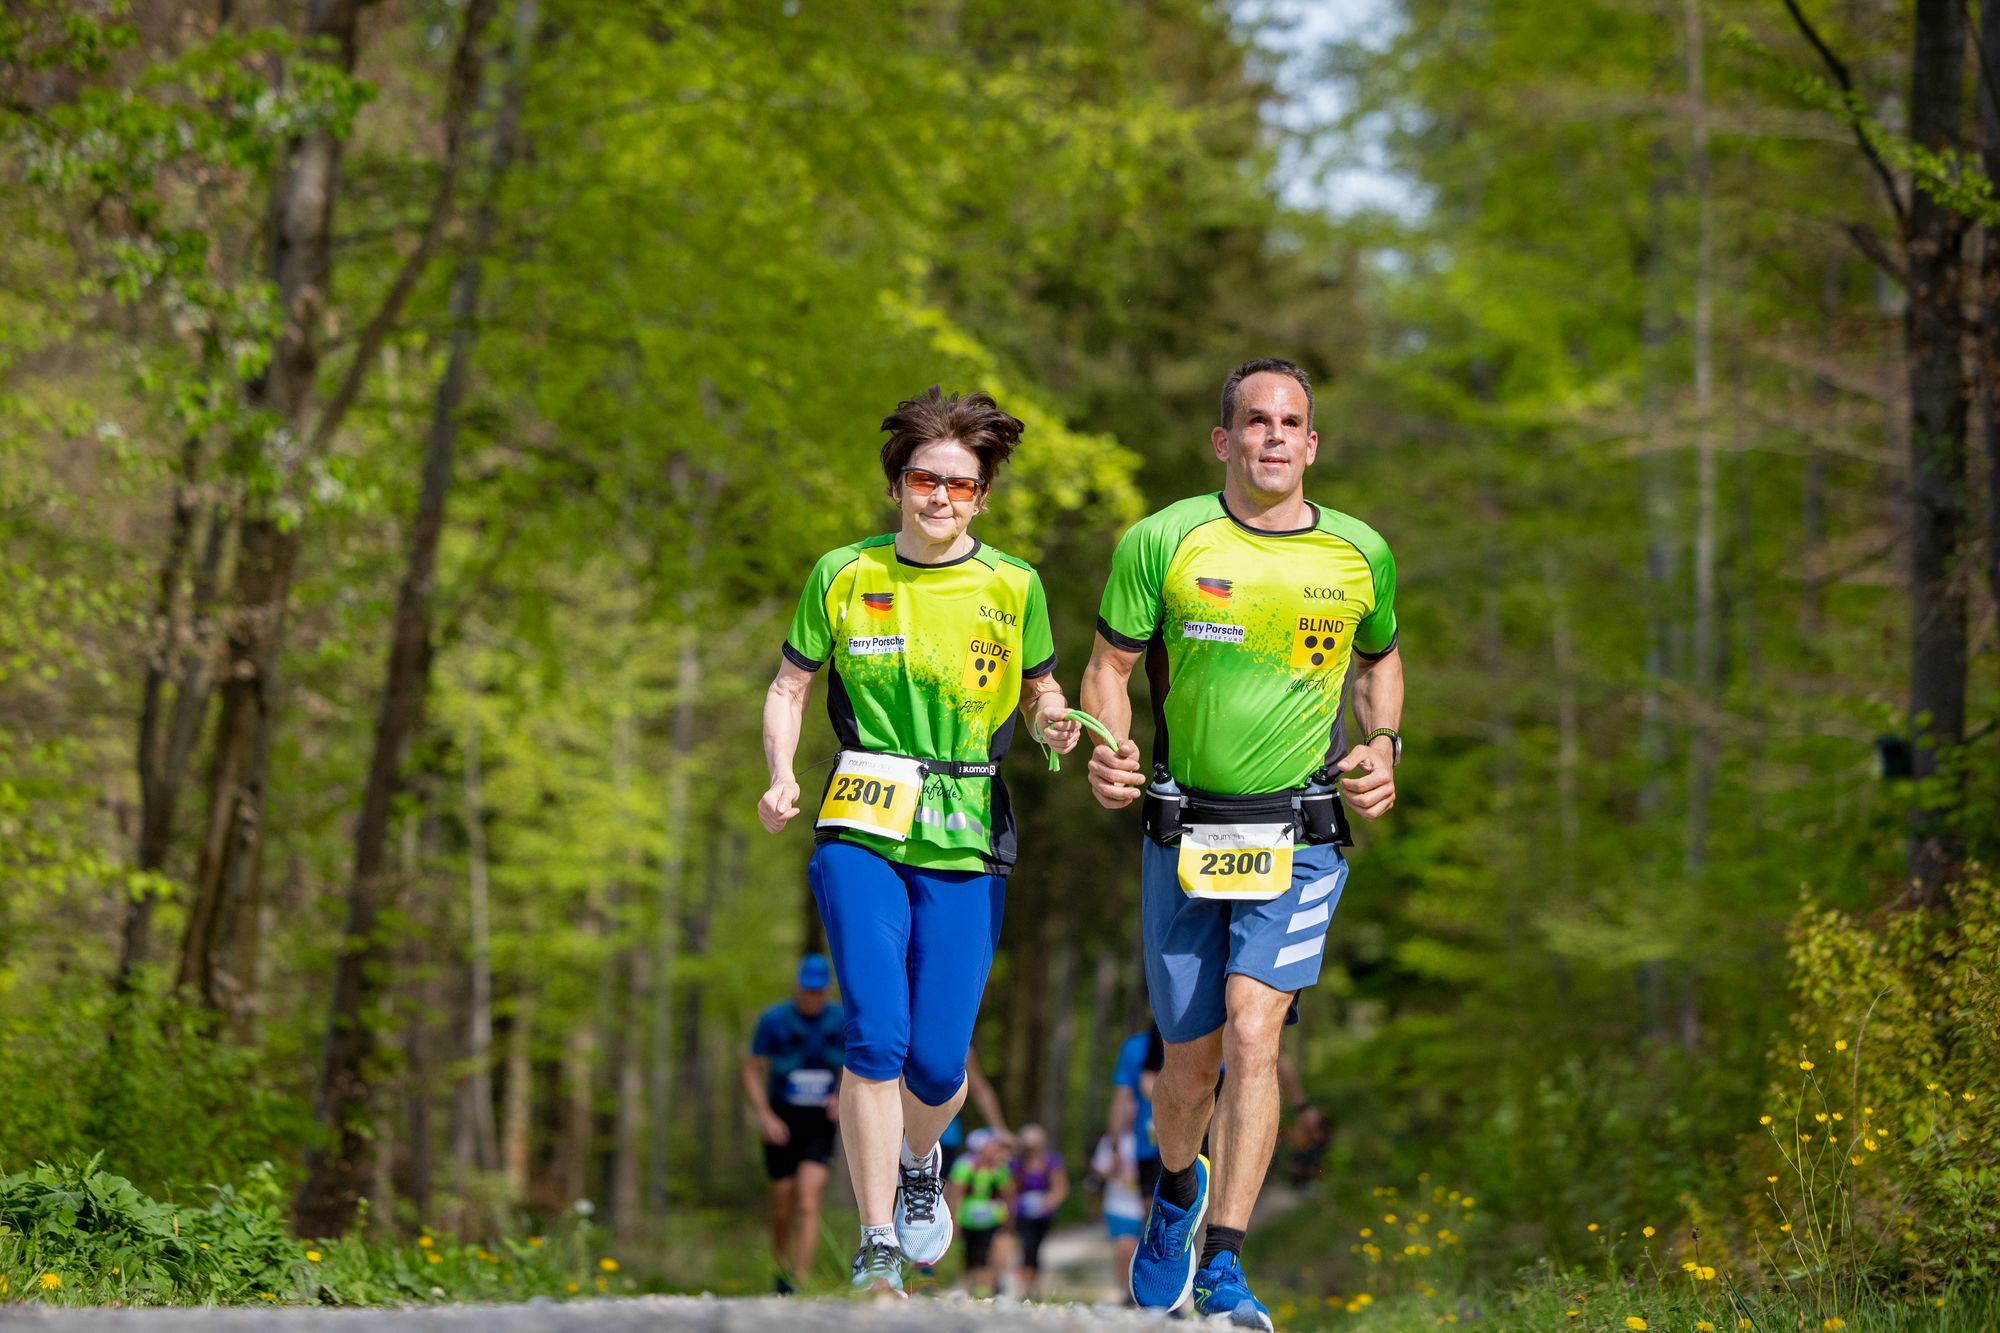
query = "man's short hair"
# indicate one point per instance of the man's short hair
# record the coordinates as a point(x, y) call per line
point(1263, 365)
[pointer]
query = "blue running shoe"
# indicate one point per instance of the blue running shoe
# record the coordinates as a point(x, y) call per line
point(1163, 1265)
point(922, 1217)
point(1219, 1289)
point(878, 1270)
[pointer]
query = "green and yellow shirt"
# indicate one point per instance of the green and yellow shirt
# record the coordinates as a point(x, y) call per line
point(1248, 637)
point(928, 662)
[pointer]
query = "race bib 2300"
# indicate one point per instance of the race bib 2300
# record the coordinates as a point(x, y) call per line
point(1240, 862)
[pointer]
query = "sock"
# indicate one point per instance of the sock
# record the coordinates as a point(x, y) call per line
point(1180, 1188)
point(911, 1161)
point(1220, 1239)
point(878, 1236)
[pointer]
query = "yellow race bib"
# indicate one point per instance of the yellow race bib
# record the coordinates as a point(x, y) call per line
point(876, 793)
point(1239, 862)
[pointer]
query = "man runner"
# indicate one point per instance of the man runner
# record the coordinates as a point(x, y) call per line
point(791, 1077)
point(1249, 605)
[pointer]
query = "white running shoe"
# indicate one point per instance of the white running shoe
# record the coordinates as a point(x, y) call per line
point(923, 1218)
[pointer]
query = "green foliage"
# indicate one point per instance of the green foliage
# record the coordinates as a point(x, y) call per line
point(1898, 1034)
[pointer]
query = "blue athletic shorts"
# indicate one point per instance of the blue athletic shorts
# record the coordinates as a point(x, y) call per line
point(912, 949)
point(1194, 944)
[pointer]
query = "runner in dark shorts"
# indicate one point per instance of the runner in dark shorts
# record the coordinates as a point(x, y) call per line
point(791, 1077)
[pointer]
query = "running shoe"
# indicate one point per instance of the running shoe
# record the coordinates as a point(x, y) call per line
point(878, 1269)
point(1219, 1290)
point(923, 1218)
point(783, 1285)
point(1163, 1265)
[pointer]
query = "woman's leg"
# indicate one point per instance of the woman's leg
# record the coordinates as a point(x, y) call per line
point(954, 928)
point(866, 909)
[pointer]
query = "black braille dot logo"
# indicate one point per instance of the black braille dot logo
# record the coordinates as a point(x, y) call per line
point(983, 680)
point(979, 664)
point(1319, 659)
point(1312, 641)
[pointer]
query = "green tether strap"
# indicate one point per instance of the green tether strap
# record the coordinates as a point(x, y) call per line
point(1090, 724)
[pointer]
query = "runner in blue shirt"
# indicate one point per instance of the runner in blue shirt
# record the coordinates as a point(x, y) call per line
point(791, 1077)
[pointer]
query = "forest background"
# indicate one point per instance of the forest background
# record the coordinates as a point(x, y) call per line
point(417, 417)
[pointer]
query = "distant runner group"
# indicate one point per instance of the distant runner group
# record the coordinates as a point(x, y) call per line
point(1263, 618)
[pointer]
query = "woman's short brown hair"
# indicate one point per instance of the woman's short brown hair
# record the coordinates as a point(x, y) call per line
point(974, 421)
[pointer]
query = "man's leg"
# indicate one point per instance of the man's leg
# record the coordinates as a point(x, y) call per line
point(805, 1225)
point(1184, 1098)
point(1246, 1126)
point(784, 1201)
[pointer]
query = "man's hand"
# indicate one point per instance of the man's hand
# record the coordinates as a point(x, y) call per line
point(776, 1132)
point(1368, 782)
point(777, 808)
point(1050, 727)
point(1116, 779)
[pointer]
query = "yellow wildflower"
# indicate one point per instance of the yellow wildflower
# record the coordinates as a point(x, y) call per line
point(1366, 1232)
point(608, 1264)
point(1468, 1201)
point(1930, 1087)
point(1703, 1326)
point(1820, 1118)
point(1365, 1298)
point(1868, 1110)
point(1784, 1226)
point(435, 1257)
point(1968, 1096)
point(1869, 1144)
point(312, 1256)
point(204, 1245)
point(1634, 1322)
point(1838, 1116)
point(1763, 1120)
point(267, 1296)
point(1834, 1322)
point(1390, 1218)
point(425, 1242)
point(1743, 1321)
point(51, 1281)
point(1689, 1266)
point(1840, 1045)
point(1805, 1138)
point(570, 1287)
point(1647, 1232)
point(1704, 1274)
point(1591, 1227)
point(1771, 1179)
point(1572, 1314)
point(535, 1241)
point(1805, 1064)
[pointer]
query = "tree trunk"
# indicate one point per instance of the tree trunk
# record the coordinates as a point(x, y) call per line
point(1100, 1045)
point(479, 1028)
point(1937, 508)
point(627, 1164)
point(517, 1124)
point(1702, 753)
point(327, 1197)
point(1062, 1041)
point(1989, 292)
point(577, 1127)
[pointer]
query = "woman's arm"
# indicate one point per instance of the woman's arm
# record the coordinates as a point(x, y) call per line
point(784, 718)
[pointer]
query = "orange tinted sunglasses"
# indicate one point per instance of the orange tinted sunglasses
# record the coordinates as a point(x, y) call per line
point(959, 489)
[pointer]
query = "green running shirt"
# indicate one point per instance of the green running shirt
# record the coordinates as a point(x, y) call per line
point(928, 662)
point(1248, 637)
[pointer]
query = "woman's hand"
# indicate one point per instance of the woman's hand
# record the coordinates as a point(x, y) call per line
point(779, 805)
point(1049, 726)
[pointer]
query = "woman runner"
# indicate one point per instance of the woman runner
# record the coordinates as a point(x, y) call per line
point(935, 641)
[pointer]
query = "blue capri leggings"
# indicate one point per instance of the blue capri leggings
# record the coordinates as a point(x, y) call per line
point(912, 948)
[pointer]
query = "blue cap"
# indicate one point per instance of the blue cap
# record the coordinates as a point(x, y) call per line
point(814, 974)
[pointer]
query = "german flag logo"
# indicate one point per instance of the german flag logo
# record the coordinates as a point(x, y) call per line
point(881, 605)
point(1216, 591)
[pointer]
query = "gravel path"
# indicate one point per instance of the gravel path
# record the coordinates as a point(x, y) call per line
point(653, 1314)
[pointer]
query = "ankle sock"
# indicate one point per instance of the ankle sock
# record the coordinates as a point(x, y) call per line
point(878, 1236)
point(1220, 1239)
point(911, 1161)
point(1180, 1188)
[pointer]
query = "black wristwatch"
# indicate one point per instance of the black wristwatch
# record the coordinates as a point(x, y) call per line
point(1395, 743)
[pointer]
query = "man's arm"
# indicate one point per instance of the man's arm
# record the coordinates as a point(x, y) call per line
point(1116, 778)
point(982, 1095)
point(756, 1072)
point(1369, 782)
